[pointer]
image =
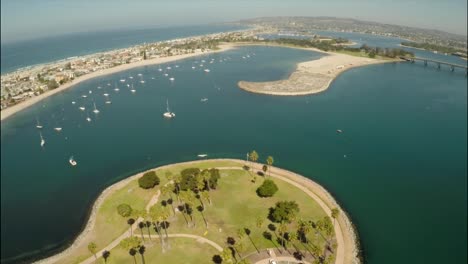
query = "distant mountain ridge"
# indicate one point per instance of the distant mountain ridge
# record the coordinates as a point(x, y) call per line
point(433, 36)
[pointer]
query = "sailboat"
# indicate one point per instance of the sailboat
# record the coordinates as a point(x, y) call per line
point(132, 90)
point(82, 108)
point(38, 125)
point(88, 118)
point(202, 155)
point(172, 79)
point(207, 70)
point(58, 129)
point(42, 140)
point(116, 88)
point(72, 161)
point(168, 113)
point(96, 111)
point(204, 100)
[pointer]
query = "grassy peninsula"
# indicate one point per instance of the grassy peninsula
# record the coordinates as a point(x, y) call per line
point(215, 211)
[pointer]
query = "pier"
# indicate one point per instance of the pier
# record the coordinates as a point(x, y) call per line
point(438, 63)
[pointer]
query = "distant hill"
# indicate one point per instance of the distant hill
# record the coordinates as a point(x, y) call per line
point(432, 36)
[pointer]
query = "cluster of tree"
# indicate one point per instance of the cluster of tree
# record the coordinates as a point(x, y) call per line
point(190, 178)
point(148, 180)
point(431, 47)
point(384, 52)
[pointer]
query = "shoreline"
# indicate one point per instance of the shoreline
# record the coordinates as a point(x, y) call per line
point(10, 111)
point(315, 75)
point(344, 228)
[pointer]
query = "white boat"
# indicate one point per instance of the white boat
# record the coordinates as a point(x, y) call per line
point(132, 90)
point(207, 70)
point(142, 81)
point(140, 74)
point(72, 161)
point(128, 85)
point(168, 113)
point(58, 129)
point(88, 119)
point(96, 111)
point(122, 80)
point(171, 79)
point(168, 68)
point(166, 74)
point(131, 77)
point(339, 131)
point(84, 96)
point(203, 61)
point(152, 78)
point(42, 140)
point(106, 94)
point(90, 91)
point(204, 100)
point(73, 102)
point(108, 102)
point(201, 65)
point(37, 124)
point(193, 67)
point(82, 108)
point(108, 84)
point(177, 66)
point(99, 87)
point(116, 89)
point(159, 69)
point(202, 155)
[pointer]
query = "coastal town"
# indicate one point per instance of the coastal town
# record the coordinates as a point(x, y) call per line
point(25, 83)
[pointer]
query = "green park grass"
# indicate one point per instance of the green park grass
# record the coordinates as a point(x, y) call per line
point(235, 205)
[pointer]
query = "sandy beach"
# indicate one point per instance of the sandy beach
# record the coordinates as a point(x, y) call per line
point(347, 251)
point(31, 101)
point(312, 76)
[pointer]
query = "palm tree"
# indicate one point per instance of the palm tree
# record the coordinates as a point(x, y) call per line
point(156, 217)
point(142, 250)
point(206, 175)
point(247, 232)
point(240, 233)
point(142, 225)
point(130, 222)
point(132, 253)
point(177, 180)
point(105, 255)
point(171, 202)
point(206, 196)
point(148, 225)
point(201, 209)
point(282, 228)
point(92, 247)
point(253, 157)
point(264, 169)
point(270, 162)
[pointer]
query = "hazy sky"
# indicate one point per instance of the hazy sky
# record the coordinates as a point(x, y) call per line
point(23, 19)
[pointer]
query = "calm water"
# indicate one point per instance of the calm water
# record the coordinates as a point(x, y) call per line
point(31, 52)
point(403, 179)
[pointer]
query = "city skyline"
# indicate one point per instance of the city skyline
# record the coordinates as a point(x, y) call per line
point(22, 20)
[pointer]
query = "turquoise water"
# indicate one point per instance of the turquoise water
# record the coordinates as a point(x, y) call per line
point(403, 180)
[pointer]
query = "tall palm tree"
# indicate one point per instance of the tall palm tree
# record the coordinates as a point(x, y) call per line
point(92, 247)
point(206, 195)
point(260, 221)
point(142, 250)
point(206, 175)
point(201, 209)
point(148, 226)
point(156, 217)
point(240, 233)
point(132, 253)
point(282, 228)
point(270, 162)
point(105, 255)
point(226, 255)
point(142, 225)
point(130, 222)
point(177, 180)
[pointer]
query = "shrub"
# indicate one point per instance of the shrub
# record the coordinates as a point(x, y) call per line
point(214, 178)
point(148, 180)
point(188, 179)
point(124, 210)
point(267, 189)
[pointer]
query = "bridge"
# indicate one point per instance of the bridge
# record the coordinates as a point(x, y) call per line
point(438, 63)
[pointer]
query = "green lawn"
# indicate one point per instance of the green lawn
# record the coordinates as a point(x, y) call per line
point(235, 206)
point(181, 251)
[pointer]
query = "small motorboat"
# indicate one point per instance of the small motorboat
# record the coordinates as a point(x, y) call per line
point(106, 94)
point(339, 131)
point(58, 129)
point(73, 102)
point(82, 108)
point(108, 102)
point(202, 155)
point(207, 70)
point(204, 100)
point(72, 161)
point(171, 79)
point(84, 96)
point(122, 80)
